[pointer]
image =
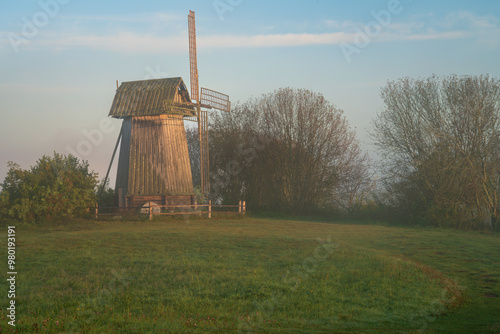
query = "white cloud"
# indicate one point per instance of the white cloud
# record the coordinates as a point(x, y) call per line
point(138, 43)
point(273, 40)
point(120, 42)
point(406, 28)
point(485, 29)
point(471, 20)
point(454, 26)
point(426, 36)
point(463, 24)
point(137, 18)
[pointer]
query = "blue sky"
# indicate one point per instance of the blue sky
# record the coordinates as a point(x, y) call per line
point(61, 58)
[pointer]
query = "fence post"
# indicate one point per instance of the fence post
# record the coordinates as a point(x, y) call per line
point(244, 207)
point(150, 212)
point(239, 207)
point(210, 209)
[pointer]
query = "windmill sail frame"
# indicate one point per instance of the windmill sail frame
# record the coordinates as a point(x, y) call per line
point(210, 99)
point(216, 100)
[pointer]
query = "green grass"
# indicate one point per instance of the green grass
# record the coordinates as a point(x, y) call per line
point(253, 275)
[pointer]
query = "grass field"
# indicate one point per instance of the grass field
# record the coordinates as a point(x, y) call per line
point(252, 276)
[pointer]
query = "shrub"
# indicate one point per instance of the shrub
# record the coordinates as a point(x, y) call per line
point(58, 187)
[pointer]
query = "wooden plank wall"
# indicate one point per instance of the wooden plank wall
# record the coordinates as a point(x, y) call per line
point(122, 173)
point(154, 158)
point(159, 158)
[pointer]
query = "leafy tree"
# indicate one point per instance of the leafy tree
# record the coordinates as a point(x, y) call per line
point(58, 187)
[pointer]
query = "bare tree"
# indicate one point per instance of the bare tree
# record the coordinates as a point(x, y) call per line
point(444, 135)
point(288, 150)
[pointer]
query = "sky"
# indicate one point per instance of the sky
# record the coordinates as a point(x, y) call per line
point(60, 59)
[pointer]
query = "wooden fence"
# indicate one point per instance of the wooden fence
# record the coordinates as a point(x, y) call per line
point(153, 210)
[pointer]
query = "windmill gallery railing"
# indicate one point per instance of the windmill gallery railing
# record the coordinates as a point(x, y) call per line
point(151, 209)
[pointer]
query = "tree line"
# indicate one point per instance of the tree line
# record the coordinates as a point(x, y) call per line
point(292, 151)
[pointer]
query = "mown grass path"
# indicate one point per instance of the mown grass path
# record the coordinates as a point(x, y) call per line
point(253, 275)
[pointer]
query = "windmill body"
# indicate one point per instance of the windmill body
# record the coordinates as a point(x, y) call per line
point(153, 164)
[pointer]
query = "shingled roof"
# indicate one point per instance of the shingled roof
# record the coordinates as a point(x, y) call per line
point(151, 98)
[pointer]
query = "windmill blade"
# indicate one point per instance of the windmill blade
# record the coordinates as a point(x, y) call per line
point(212, 99)
point(193, 60)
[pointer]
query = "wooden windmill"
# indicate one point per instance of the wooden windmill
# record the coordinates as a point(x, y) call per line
point(153, 164)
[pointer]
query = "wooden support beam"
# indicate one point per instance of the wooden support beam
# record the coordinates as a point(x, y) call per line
point(150, 211)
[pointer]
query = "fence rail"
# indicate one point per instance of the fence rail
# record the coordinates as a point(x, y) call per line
point(169, 210)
